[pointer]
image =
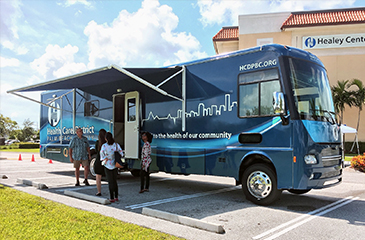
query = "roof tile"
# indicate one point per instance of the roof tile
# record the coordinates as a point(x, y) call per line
point(326, 17)
point(227, 33)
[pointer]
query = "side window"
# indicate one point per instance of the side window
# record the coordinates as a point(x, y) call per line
point(249, 103)
point(131, 109)
point(91, 108)
point(255, 92)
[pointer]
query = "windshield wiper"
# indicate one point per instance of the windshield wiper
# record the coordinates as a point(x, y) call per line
point(329, 119)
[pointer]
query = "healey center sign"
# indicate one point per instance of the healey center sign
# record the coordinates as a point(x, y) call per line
point(334, 41)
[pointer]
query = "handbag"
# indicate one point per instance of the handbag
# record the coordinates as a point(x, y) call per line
point(118, 160)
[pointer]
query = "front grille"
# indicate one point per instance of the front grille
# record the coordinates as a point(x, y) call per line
point(331, 174)
point(331, 160)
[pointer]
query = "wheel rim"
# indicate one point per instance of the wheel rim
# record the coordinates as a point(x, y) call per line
point(259, 184)
point(92, 167)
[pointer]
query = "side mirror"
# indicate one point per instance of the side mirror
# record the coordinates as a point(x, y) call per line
point(278, 103)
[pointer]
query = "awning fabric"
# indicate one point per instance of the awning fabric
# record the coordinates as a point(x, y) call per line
point(105, 82)
point(347, 129)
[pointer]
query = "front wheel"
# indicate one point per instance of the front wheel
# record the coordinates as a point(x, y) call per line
point(259, 184)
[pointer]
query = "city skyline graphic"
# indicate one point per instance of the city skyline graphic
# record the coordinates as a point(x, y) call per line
point(202, 110)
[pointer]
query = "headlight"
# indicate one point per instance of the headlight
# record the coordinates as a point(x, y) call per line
point(310, 159)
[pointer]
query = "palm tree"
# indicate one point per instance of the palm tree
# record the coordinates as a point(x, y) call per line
point(341, 97)
point(358, 100)
point(358, 97)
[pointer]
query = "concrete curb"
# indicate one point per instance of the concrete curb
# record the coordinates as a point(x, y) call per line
point(184, 220)
point(86, 197)
point(31, 183)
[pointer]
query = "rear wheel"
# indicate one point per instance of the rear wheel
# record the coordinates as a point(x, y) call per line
point(298, 191)
point(259, 184)
point(92, 166)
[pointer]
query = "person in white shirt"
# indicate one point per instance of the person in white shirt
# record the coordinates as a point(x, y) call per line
point(108, 160)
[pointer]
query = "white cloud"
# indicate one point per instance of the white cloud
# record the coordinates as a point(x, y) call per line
point(58, 62)
point(142, 38)
point(227, 12)
point(9, 62)
point(16, 107)
point(73, 2)
point(11, 15)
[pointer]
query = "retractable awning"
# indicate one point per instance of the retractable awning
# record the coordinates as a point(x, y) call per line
point(156, 84)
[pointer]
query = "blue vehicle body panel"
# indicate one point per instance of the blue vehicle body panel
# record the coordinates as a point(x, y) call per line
point(210, 143)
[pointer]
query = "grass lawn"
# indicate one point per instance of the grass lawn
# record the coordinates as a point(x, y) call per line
point(24, 216)
point(32, 150)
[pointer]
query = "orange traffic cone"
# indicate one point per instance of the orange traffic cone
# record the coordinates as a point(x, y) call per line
point(20, 157)
point(50, 161)
point(33, 160)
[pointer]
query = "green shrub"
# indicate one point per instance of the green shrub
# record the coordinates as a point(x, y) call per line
point(12, 146)
point(28, 145)
point(358, 163)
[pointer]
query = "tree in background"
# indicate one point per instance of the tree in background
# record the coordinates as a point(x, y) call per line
point(341, 97)
point(27, 132)
point(358, 98)
point(7, 126)
point(11, 130)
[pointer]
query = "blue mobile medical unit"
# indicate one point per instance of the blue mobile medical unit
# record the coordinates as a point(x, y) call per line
point(263, 116)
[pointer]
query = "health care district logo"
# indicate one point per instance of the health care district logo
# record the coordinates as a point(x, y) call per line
point(310, 42)
point(54, 115)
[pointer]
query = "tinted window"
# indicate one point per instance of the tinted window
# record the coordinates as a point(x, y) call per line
point(256, 92)
point(131, 109)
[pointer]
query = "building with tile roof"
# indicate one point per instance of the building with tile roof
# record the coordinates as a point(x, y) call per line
point(336, 36)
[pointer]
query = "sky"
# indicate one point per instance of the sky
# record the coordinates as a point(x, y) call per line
point(43, 40)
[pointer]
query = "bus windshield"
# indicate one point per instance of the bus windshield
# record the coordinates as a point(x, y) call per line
point(311, 91)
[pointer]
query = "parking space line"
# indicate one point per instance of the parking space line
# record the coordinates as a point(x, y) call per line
point(174, 199)
point(72, 188)
point(307, 217)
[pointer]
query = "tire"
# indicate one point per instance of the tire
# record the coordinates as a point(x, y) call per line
point(135, 172)
point(298, 191)
point(92, 166)
point(259, 185)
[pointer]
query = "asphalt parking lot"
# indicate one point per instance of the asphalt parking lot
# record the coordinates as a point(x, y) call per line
point(332, 213)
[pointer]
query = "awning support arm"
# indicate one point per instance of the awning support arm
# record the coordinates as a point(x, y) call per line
point(54, 99)
point(167, 79)
point(36, 101)
point(183, 95)
point(135, 77)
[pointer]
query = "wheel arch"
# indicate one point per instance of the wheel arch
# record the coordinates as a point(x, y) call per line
point(254, 158)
